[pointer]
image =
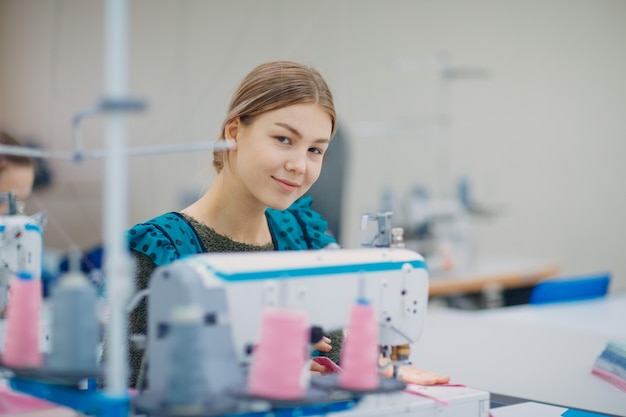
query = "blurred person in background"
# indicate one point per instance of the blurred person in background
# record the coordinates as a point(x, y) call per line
point(17, 174)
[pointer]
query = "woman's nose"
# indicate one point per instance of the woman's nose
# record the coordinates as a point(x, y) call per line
point(296, 162)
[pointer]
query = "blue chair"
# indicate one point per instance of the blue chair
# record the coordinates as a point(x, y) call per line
point(571, 288)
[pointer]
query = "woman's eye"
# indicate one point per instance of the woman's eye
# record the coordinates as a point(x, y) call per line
point(316, 151)
point(283, 139)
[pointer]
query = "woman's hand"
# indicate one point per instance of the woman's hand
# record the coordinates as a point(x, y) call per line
point(323, 345)
point(319, 369)
point(410, 374)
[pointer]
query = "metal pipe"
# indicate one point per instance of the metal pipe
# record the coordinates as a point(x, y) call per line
point(117, 259)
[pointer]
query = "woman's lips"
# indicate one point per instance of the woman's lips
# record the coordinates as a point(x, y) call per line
point(286, 185)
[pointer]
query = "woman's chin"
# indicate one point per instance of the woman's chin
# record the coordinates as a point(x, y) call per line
point(280, 207)
point(281, 204)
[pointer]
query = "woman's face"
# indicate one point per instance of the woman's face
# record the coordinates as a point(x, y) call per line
point(279, 155)
point(16, 178)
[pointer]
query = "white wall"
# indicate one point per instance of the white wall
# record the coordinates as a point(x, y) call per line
point(542, 137)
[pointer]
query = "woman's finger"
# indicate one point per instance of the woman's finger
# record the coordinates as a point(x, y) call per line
point(316, 367)
point(323, 345)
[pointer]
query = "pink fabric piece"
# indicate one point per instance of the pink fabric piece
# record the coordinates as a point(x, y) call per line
point(328, 363)
point(609, 377)
point(415, 389)
point(14, 402)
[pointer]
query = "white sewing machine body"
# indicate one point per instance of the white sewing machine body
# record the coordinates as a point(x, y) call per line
point(324, 284)
point(21, 250)
point(233, 289)
point(21, 243)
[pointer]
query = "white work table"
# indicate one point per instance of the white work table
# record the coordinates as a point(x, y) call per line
point(542, 353)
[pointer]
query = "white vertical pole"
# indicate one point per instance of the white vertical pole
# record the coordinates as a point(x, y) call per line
point(446, 187)
point(117, 259)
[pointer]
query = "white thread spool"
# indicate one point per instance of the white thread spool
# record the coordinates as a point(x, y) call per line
point(75, 326)
point(187, 387)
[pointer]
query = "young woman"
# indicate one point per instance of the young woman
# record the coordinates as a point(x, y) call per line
point(280, 122)
point(17, 174)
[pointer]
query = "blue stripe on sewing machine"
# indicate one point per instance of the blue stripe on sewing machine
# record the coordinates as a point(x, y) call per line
point(27, 226)
point(316, 271)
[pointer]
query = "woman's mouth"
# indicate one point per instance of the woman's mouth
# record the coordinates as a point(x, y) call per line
point(286, 186)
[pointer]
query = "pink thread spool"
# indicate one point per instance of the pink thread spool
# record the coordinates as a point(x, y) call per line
point(280, 357)
point(21, 348)
point(360, 351)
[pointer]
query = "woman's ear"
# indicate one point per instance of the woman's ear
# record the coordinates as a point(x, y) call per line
point(231, 131)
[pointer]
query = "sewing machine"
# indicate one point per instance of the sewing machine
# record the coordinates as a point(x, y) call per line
point(21, 243)
point(233, 289)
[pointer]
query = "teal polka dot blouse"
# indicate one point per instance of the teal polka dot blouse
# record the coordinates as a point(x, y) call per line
point(169, 236)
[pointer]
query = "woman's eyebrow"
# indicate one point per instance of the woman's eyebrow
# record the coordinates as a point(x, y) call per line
point(298, 134)
point(289, 128)
point(322, 140)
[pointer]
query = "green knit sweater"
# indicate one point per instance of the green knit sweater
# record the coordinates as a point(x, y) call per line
point(213, 242)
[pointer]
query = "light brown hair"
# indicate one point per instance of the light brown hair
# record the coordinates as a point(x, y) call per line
point(8, 140)
point(272, 86)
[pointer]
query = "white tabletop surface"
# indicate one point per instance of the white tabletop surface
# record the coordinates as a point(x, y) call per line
point(601, 316)
point(529, 409)
point(541, 353)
